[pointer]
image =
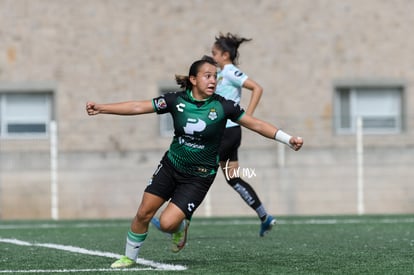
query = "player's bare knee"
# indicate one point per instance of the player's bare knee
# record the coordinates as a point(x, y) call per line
point(169, 226)
point(143, 216)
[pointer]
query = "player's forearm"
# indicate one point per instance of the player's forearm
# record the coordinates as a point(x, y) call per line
point(259, 126)
point(125, 108)
point(265, 129)
point(254, 101)
point(257, 92)
point(270, 131)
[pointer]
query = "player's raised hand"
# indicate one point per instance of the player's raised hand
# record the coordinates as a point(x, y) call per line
point(91, 108)
point(296, 143)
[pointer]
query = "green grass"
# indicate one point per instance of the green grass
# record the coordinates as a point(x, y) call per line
point(298, 245)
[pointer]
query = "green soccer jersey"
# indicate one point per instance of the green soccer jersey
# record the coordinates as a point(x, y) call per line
point(198, 128)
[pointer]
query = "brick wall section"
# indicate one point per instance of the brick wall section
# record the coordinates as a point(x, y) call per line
point(119, 50)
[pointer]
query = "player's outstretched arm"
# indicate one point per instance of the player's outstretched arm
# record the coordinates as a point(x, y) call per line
point(268, 130)
point(121, 108)
point(257, 92)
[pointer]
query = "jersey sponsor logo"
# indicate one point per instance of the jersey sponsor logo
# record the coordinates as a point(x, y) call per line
point(238, 73)
point(194, 125)
point(213, 114)
point(161, 103)
point(180, 107)
point(182, 141)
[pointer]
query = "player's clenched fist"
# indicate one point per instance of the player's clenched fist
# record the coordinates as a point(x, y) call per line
point(91, 108)
point(296, 143)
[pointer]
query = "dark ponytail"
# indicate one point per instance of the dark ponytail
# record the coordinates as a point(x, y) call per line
point(230, 43)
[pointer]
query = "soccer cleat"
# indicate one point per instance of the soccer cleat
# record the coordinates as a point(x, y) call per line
point(179, 238)
point(267, 225)
point(123, 262)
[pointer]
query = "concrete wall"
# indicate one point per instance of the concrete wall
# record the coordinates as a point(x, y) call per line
point(119, 50)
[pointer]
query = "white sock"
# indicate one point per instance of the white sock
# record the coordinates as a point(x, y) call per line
point(134, 242)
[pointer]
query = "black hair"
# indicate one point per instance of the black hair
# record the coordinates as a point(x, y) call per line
point(184, 81)
point(230, 43)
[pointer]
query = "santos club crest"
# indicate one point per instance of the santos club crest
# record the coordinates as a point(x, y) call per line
point(213, 114)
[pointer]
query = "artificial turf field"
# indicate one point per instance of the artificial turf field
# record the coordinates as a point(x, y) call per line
point(297, 245)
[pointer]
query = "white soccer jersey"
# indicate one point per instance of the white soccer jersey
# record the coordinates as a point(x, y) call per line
point(229, 85)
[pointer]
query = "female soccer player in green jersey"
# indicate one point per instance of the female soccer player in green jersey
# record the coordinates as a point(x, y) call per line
point(188, 168)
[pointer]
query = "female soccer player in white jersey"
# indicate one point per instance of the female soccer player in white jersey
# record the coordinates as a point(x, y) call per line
point(230, 82)
point(188, 168)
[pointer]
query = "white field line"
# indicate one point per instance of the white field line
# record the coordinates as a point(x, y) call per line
point(56, 225)
point(54, 271)
point(315, 221)
point(79, 250)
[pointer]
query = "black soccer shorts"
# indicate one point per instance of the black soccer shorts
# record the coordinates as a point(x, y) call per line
point(184, 190)
point(230, 143)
